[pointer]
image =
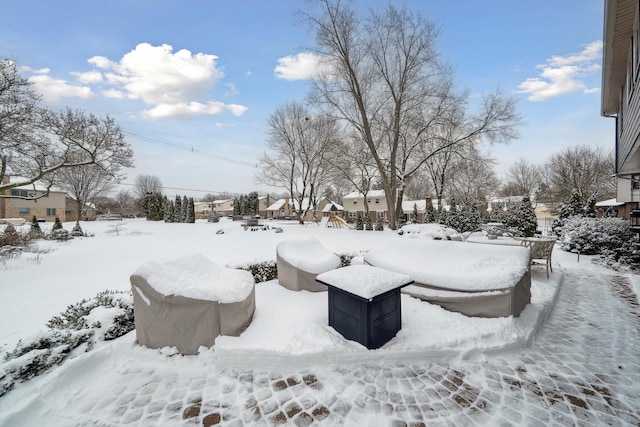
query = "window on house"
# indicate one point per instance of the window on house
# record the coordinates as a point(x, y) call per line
point(355, 201)
point(380, 214)
point(19, 193)
point(24, 211)
point(377, 200)
point(352, 214)
point(51, 211)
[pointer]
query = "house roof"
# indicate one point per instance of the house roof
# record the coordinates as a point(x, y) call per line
point(278, 204)
point(609, 202)
point(358, 194)
point(619, 17)
point(328, 206)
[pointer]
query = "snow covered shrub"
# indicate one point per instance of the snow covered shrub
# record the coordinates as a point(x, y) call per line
point(68, 332)
point(10, 237)
point(213, 217)
point(368, 225)
point(359, 224)
point(35, 232)
point(345, 259)
point(76, 231)
point(57, 225)
point(626, 256)
point(263, 271)
point(379, 225)
point(591, 236)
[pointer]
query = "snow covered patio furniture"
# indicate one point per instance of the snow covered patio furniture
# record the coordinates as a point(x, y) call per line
point(540, 249)
point(300, 261)
point(364, 303)
point(475, 280)
point(187, 302)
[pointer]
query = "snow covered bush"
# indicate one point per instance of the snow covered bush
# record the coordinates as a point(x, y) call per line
point(379, 225)
point(213, 217)
point(35, 232)
point(591, 236)
point(359, 224)
point(75, 330)
point(10, 236)
point(626, 256)
point(263, 271)
point(76, 231)
point(368, 224)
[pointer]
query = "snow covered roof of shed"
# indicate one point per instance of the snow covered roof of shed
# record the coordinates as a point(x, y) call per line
point(370, 193)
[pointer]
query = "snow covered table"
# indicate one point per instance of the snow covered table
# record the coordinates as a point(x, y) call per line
point(187, 302)
point(299, 261)
point(475, 280)
point(364, 303)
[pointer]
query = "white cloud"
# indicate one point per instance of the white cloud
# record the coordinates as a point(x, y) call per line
point(174, 84)
point(114, 94)
point(184, 110)
point(237, 110)
point(90, 77)
point(302, 66)
point(564, 74)
point(54, 89)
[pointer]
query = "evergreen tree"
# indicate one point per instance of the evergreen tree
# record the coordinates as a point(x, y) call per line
point(35, 232)
point(359, 225)
point(414, 218)
point(524, 218)
point(468, 219)
point(168, 210)
point(213, 217)
point(379, 225)
point(185, 209)
point(177, 209)
point(452, 219)
point(590, 209)
point(156, 209)
point(146, 201)
point(368, 225)
point(76, 231)
point(430, 213)
point(575, 205)
point(191, 214)
point(236, 206)
point(57, 225)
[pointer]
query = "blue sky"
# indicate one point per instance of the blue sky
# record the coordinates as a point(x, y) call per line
point(192, 83)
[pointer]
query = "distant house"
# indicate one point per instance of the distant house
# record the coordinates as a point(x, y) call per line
point(354, 204)
point(263, 204)
point(284, 208)
point(410, 206)
point(45, 208)
point(621, 96)
point(222, 207)
point(88, 213)
point(202, 209)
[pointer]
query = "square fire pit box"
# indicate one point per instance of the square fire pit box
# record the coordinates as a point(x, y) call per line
point(364, 303)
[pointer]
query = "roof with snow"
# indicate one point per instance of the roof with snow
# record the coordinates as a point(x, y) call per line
point(329, 205)
point(358, 194)
point(609, 202)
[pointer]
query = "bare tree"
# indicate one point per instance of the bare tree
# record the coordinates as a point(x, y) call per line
point(84, 184)
point(300, 146)
point(147, 184)
point(580, 168)
point(36, 144)
point(351, 160)
point(472, 180)
point(386, 83)
point(523, 178)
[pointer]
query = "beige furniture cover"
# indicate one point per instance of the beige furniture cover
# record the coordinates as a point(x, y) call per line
point(187, 303)
point(300, 261)
point(475, 280)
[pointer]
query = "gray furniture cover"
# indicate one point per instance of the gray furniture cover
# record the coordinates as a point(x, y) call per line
point(198, 316)
point(300, 261)
point(475, 280)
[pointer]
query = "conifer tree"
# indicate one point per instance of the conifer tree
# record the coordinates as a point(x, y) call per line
point(379, 225)
point(590, 209)
point(76, 231)
point(57, 225)
point(430, 213)
point(368, 224)
point(35, 232)
point(177, 209)
point(359, 225)
point(524, 218)
point(414, 219)
point(168, 210)
point(185, 209)
point(191, 214)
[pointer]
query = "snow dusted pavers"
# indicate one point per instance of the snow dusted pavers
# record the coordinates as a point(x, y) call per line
point(187, 302)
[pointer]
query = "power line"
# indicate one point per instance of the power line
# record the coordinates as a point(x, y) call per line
point(151, 140)
point(188, 189)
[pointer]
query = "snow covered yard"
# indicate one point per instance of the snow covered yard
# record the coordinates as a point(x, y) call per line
point(288, 329)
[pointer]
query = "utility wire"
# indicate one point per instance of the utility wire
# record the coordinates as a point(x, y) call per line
point(188, 189)
point(185, 148)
